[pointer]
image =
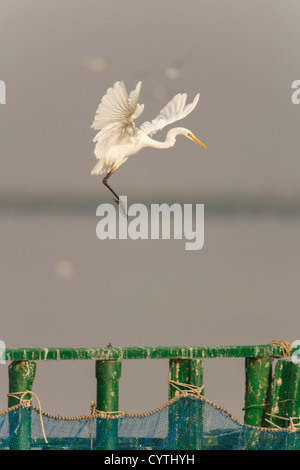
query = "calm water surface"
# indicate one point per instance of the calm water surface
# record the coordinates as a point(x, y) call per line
point(62, 286)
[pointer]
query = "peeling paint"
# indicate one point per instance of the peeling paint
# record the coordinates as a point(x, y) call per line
point(258, 384)
point(112, 353)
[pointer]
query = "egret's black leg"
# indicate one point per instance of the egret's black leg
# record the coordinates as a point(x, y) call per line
point(104, 181)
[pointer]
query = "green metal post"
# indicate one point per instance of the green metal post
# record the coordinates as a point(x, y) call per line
point(190, 372)
point(257, 392)
point(279, 395)
point(284, 403)
point(186, 371)
point(108, 374)
point(293, 403)
point(160, 352)
point(21, 377)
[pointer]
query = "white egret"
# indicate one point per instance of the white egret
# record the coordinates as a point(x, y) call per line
point(119, 138)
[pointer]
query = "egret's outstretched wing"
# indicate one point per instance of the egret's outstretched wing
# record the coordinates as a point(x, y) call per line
point(175, 110)
point(115, 117)
point(118, 108)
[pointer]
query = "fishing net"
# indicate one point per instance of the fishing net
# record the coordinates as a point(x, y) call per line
point(186, 422)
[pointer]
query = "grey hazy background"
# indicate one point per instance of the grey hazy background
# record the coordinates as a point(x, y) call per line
point(60, 285)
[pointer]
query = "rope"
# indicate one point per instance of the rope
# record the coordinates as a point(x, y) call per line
point(286, 347)
point(189, 388)
point(96, 413)
point(292, 427)
point(11, 408)
point(27, 404)
point(257, 405)
point(104, 414)
point(116, 414)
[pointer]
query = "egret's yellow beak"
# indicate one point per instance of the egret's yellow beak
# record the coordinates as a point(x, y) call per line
point(197, 141)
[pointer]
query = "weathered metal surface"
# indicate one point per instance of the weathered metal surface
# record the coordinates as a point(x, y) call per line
point(293, 403)
point(257, 390)
point(185, 371)
point(21, 377)
point(108, 374)
point(182, 373)
point(186, 352)
point(285, 395)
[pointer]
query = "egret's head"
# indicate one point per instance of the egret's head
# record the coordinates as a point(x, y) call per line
point(194, 139)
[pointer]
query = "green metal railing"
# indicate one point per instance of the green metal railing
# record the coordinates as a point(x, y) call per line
point(267, 392)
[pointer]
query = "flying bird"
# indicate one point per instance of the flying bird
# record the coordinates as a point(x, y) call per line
point(119, 138)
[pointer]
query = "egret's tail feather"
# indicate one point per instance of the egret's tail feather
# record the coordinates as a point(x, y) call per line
point(99, 168)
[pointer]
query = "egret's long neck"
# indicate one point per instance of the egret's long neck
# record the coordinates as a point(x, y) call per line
point(170, 138)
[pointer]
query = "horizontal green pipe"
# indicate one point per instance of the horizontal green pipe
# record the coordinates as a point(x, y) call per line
point(164, 352)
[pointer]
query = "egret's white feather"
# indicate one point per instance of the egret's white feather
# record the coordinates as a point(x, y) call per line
point(175, 110)
point(115, 117)
point(108, 149)
point(119, 138)
point(117, 107)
